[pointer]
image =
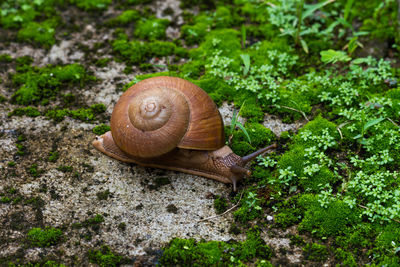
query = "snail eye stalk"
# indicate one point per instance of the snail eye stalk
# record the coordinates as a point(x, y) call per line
point(253, 155)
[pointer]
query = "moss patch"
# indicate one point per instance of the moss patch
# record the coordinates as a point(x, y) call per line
point(46, 237)
point(190, 252)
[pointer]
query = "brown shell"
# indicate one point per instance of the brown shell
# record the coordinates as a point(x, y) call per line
point(158, 114)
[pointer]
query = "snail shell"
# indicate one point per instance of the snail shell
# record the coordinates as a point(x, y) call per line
point(159, 114)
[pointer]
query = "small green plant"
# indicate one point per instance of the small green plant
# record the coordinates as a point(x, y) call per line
point(34, 171)
point(64, 168)
point(220, 204)
point(365, 126)
point(246, 62)
point(236, 123)
point(315, 252)
point(101, 129)
point(104, 257)
point(46, 237)
point(332, 56)
point(53, 156)
point(290, 16)
point(92, 5)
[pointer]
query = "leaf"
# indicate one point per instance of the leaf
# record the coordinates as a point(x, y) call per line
point(372, 123)
point(310, 9)
point(304, 45)
point(233, 122)
point(361, 33)
point(347, 8)
point(240, 125)
point(352, 45)
point(359, 60)
point(345, 23)
point(246, 62)
point(333, 56)
point(363, 141)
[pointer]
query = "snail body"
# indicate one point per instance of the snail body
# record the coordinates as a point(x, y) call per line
point(170, 123)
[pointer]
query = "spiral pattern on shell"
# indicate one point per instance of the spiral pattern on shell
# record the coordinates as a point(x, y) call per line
point(158, 114)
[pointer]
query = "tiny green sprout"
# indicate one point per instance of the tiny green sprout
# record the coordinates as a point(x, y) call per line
point(266, 161)
point(352, 45)
point(246, 62)
point(235, 123)
point(252, 200)
point(360, 137)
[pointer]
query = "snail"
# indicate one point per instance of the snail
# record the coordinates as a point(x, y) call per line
point(170, 123)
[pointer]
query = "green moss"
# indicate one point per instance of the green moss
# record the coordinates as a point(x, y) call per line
point(133, 52)
point(249, 208)
point(5, 200)
point(138, 2)
point(330, 220)
point(185, 252)
point(388, 239)
point(34, 171)
point(21, 149)
point(260, 136)
point(83, 114)
point(23, 64)
point(357, 238)
point(122, 226)
point(261, 54)
point(92, 5)
point(151, 75)
point(252, 110)
point(53, 156)
point(226, 41)
point(160, 48)
point(64, 168)
point(11, 164)
point(103, 195)
point(97, 219)
point(287, 217)
point(2, 98)
point(217, 88)
point(125, 18)
point(220, 204)
point(52, 264)
point(223, 17)
point(46, 237)
point(192, 69)
point(41, 33)
point(38, 84)
point(98, 108)
point(345, 258)
point(315, 252)
point(194, 34)
point(242, 148)
point(317, 127)
point(5, 58)
point(13, 16)
point(322, 177)
point(101, 129)
point(151, 29)
point(104, 257)
point(102, 62)
point(27, 111)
